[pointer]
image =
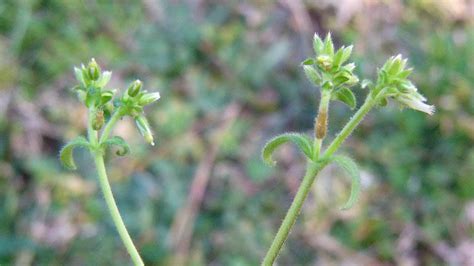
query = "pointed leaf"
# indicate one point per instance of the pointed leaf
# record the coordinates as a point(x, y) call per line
point(346, 96)
point(123, 150)
point(66, 153)
point(300, 140)
point(351, 168)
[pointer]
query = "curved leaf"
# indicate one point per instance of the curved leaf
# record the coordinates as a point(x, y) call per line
point(351, 168)
point(123, 150)
point(300, 140)
point(346, 96)
point(66, 153)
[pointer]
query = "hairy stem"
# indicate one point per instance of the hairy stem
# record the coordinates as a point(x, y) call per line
point(105, 186)
point(114, 212)
point(313, 169)
point(108, 127)
point(295, 208)
point(369, 103)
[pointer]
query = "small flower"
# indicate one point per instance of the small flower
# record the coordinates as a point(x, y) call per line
point(134, 88)
point(409, 96)
point(148, 98)
point(93, 70)
point(393, 76)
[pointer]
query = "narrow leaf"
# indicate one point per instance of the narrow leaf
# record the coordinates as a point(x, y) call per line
point(346, 96)
point(351, 168)
point(124, 149)
point(66, 153)
point(300, 140)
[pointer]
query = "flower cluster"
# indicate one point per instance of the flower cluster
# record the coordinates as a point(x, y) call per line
point(328, 70)
point(91, 91)
point(393, 81)
point(132, 102)
point(91, 83)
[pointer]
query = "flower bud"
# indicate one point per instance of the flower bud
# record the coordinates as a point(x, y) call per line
point(134, 88)
point(148, 98)
point(93, 70)
point(324, 61)
point(144, 128)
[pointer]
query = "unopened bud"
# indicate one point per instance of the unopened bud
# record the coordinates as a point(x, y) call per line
point(134, 88)
point(93, 70)
point(149, 98)
point(144, 128)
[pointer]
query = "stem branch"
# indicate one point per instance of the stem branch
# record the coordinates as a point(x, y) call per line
point(369, 103)
point(108, 127)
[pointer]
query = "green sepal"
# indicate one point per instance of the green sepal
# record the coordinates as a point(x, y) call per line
point(348, 165)
point(346, 96)
point(66, 154)
point(308, 62)
point(328, 45)
point(123, 150)
point(312, 75)
point(300, 140)
point(317, 44)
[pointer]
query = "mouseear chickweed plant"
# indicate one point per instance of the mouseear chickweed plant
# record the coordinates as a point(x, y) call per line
point(329, 71)
point(105, 109)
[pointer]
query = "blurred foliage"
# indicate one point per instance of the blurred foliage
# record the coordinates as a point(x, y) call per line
point(205, 56)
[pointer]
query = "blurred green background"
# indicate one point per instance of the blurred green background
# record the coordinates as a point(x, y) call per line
point(230, 78)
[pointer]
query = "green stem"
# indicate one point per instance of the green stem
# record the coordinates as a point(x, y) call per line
point(369, 103)
point(313, 169)
point(295, 208)
point(114, 212)
point(105, 186)
point(108, 127)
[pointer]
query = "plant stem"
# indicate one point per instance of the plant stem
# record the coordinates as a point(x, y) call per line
point(108, 127)
point(313, 169)
point(369, 103)
point(105, 186)
point(114, 212)
point(295, 208)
